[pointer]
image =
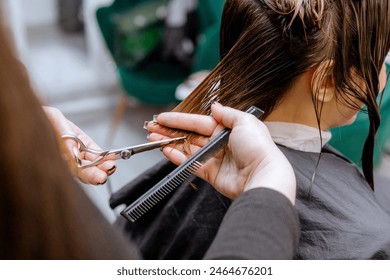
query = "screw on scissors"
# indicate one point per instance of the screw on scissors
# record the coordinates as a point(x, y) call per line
point(121, 153)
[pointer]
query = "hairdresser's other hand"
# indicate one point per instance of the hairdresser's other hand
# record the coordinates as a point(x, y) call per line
point(92, 175)
point(250, 160)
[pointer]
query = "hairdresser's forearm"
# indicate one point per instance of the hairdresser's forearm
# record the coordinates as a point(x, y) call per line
point(260, 224)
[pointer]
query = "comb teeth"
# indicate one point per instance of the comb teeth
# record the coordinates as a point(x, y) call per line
point(158, 192)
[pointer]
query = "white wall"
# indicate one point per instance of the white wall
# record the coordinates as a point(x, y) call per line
point(21, 14)
point(39, 12)
point(98, 54)
point(13, 18)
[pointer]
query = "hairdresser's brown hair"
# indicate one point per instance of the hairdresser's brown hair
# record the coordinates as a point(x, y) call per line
point(266, 45)
point(44, 214)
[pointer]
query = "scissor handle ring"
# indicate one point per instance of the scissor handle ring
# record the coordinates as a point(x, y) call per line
point(84, 148)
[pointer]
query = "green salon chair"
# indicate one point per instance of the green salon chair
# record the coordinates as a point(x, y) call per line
point(207, 51)
point(152, 81)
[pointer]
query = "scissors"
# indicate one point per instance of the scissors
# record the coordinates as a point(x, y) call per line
point(122, 153)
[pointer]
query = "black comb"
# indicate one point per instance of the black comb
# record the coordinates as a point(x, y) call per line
point(149, 199)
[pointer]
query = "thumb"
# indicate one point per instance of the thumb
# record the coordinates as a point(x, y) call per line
point(226, 116)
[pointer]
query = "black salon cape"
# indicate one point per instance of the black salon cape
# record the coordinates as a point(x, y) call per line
point(339, 215)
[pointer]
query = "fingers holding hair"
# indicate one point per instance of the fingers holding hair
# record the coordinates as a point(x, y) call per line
point(200, 124)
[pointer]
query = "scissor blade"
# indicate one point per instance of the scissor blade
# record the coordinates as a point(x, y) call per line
point(154, 145)
point(144, 147)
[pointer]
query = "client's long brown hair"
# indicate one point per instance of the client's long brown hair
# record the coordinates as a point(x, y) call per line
point(266, 45)
point(44, 214)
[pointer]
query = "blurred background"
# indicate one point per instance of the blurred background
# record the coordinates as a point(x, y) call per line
point(72, 70)
point(110, 65)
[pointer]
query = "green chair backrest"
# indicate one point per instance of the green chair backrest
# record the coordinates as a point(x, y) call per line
point(130, 28)
point(210, 12)
point(207, 51)
point(209, 16)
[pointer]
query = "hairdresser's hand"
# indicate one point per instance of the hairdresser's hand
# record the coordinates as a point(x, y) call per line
point(92, 175)
point(250, 160)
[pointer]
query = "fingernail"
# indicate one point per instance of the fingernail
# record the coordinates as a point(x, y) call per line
point(146, 125)
point(148, 136)
point(155, 118)
point(216, 103)
point(102, 183)
point(111, 170)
